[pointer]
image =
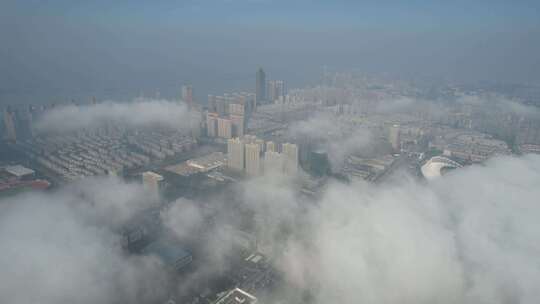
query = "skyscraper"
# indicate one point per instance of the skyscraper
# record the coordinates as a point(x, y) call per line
point(224, 128)
point(394, 138)
point(291, 157)
point(253, 159)
point(235, 154)
point(187, 95)
point(260, 87)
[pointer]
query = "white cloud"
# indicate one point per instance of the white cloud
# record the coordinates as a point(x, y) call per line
point(467, 237)
point(62, 247)
point(495, 102)
point(138, 113)
point(338, 139)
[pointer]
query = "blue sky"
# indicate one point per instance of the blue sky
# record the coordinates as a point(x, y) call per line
point(93, 46)
point(412, 14)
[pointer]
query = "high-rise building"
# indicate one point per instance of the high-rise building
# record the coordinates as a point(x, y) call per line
point(195, 125)
point(275, 90)
point(253, 159)
point(212, 124)
point(152, 183)
point(9, 125)
point(290, 151)
point(394, 138)
point(224, 128)
point(236, 109)
point(24, 123)
point(235, 154)
point(270, 90)
point(271, 146)
point(238, 125)
point(273, 161)
point(260, 87)
point(259, 142)
point(221, 105)
point(187, 95)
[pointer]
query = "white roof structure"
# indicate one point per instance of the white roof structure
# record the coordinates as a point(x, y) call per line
point(18, 170)
point(433, 167)
point(237, 296)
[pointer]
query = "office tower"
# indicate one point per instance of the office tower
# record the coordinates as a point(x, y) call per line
point(273, 162)
point(224, 128)
point(290, 152)
point(271, 146)
point(9, 125)
point(211, 124)
point(235, 154)
point(253, 159)
point(152, 183)
point(394, 138)
point(187, 95)
point(260, 88)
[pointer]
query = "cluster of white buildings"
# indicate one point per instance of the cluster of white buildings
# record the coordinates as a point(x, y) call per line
point(74, 156)
point(226, 117)
point(469, 146)
point(253, 156)
point(160, 146)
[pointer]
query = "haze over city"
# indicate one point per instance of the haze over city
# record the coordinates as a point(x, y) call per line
point(269, 151)
point(56, 50)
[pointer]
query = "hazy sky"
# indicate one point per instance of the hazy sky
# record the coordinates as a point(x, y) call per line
point(68, 49)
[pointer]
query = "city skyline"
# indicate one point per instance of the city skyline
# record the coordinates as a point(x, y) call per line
point(119, 51)
point(269, 151)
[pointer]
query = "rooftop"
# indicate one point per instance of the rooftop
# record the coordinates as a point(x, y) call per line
point(237, 296)
point(18, 170)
